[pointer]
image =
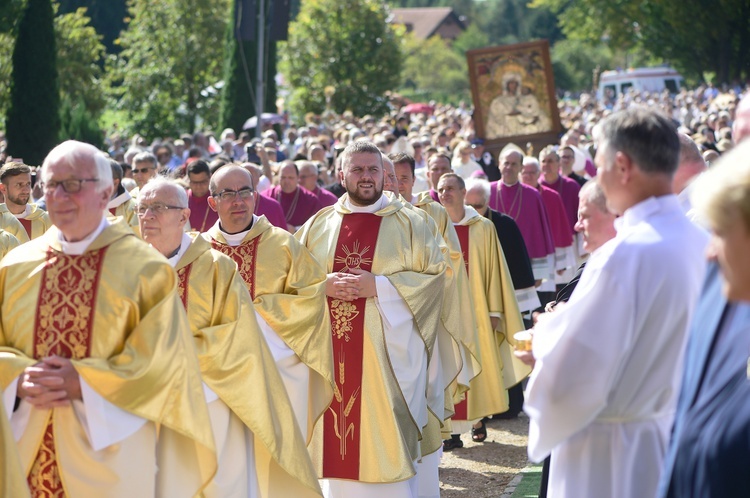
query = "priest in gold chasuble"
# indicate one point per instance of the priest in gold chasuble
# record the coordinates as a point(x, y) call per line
point(12, 482)
point(287, 288)
point(452, 365)
point(385, 286)
point(497, 314)
point(249, 409)
point(95, 349)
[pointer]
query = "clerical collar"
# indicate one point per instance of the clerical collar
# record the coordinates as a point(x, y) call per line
point(235, 239)
point(414, 199)
point(469, 213)
point(180, 252)
point(510, 186)
point(78, 248)
point(120, 199)
point(376, 206)
point(25, 214)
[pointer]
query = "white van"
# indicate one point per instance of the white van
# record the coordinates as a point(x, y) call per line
point(650, 79)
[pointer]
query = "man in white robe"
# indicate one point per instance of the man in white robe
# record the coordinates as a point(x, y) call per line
point(603, 391)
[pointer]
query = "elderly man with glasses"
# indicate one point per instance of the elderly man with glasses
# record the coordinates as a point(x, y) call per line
point(287, 286)
point(243, 389)
point(97, 366)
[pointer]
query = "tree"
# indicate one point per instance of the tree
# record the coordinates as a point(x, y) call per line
point(346, 44)
point(79, 53)
point(33, 122)
point(171, 55)
point(697, 37)
point(574, 63)
point(107, 17)
point(432, 71)
point(470, 39)
point(240, 75)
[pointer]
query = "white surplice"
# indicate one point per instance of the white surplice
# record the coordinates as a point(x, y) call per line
point(603, 391)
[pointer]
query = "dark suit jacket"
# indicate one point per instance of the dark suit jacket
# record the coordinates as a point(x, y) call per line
point(721, 420)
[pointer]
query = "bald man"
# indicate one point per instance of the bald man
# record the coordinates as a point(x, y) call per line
point(288, 290)
point(308, 179)
point(298, 204)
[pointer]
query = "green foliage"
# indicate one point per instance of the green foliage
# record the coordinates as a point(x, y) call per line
point(470, 39)
point(240, 78)
point(6, 71)
point(79, 53)
point(575, 61)
point(345, 44)
point(695, 36)
point(172, 50)
point(107, 17)
point(77, 123)
point(433, 71)
point(10, 13)
point(33, 122)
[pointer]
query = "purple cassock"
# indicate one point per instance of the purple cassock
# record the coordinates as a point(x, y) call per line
point(297, 206)
point(271, 210)
point(558, 220)
point(325, 197)
point(568, 190)
point(202, 217)
point(524, 204)
point(434, 195)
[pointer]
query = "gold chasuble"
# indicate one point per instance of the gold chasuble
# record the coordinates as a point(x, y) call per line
point(12, 482)
point(7, 242)
point(369, 434)
point(492, 292)
point(288, 290)
point(451, 348)
point(127, 336)
point(237, 365)
point(459, 315)
point(34, 225)
point(127, 214)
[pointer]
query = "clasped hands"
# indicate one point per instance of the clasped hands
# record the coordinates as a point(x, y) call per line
point(51, 383)
point(350, 286)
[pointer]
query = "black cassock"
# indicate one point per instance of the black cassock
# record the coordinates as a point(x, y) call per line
point(514, 249)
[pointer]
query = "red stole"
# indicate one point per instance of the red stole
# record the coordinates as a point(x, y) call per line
point(113, 211)
point(183, 280)
point(244, 255)
point(27, 225)
point(63, 327)
point(355, 248)
point(463, 238)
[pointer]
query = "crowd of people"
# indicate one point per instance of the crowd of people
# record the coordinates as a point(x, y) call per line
point(325, 309)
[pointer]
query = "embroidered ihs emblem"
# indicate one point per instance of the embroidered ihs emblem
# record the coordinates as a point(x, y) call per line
point(354, 257)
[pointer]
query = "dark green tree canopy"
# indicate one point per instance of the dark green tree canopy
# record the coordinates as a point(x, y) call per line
point(345, 44)
point(33, 122)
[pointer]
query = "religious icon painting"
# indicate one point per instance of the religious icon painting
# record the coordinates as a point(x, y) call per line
point(514, 94)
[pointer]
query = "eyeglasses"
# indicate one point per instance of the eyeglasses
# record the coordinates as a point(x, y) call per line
point(142, 170)
point(70, 186)
point(157, 208)
point(230, 195)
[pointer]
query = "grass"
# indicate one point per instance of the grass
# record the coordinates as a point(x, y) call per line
point(529, 485)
